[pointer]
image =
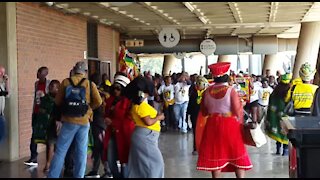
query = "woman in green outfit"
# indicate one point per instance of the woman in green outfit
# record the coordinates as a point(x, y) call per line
point(276, 111)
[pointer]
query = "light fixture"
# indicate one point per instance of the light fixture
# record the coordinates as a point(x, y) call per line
point(203, 20)
point(50, 3)
point(189, 6)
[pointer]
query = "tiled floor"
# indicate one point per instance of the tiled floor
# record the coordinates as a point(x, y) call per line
point(179, 162)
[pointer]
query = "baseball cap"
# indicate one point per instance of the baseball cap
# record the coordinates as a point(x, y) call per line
point(81, 67)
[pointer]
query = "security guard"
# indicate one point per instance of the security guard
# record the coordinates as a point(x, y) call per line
point(303, 92)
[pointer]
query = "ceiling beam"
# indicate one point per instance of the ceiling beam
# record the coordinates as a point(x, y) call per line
point(219, 26)
point(159, 12)
point(235, 11)
point(200, 15)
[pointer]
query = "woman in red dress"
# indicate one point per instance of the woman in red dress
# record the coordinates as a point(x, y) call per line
point(222, 148)
point(120, 127)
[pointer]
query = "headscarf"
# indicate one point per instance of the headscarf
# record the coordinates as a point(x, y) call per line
point(306, 72)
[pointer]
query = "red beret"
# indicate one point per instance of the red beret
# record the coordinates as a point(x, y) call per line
point(219, 69)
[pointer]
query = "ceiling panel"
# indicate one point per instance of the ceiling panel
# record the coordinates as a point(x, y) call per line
point(221, 18)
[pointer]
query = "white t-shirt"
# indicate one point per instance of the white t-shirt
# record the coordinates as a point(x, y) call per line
point(167, 91)
point(264, 94)
point(254, 95)
point(181, 92)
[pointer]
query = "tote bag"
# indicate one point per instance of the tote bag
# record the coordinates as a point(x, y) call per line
point(253, 135)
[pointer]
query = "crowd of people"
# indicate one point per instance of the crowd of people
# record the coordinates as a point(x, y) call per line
point(125, 119)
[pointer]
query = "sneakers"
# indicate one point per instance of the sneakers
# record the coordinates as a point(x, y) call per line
point(92, 174)
point(107, 175)
point(31, 162)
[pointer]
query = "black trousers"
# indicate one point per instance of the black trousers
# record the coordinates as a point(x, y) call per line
point(97, 148)
point(169, 117)
point(194, 118)
point(33, 149)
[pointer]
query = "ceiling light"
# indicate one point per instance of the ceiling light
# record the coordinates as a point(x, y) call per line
point(86, 13)
point(189, 6)
point(123, 12)
point(50, 3)
point(203, 19)
point(137, 19)
point(154, 7)
point(130, 15)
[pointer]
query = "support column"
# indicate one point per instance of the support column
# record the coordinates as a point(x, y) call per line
point(270, 61)
point(250, 64)
point(308, 46)
point(168, 63)
point(183, 65)
point(206, 66)
point(223, 58)
point(316, 80)
point(9, 149)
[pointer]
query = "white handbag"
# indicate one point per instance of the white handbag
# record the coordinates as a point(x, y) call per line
point(253, 135)
point(258, 136)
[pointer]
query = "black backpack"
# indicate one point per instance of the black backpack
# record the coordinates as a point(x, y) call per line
point(75, 104)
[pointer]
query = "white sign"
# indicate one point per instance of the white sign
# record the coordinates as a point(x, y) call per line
point(179, 55)
point(208, 47)
point(169, 37)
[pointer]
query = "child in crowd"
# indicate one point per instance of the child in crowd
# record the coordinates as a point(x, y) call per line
point(166, 91)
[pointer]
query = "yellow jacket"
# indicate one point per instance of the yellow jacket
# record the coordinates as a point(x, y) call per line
point(94, 103)
point(302, 95)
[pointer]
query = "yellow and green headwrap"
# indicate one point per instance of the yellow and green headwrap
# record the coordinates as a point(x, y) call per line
point(286, 78)
point(306, 72)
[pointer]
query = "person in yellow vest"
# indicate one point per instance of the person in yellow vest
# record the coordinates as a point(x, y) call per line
point(303, 91)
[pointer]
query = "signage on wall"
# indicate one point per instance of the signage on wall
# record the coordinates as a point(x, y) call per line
point(179, 55)
point(169, 37)
point(208, 47)
point(134, 43)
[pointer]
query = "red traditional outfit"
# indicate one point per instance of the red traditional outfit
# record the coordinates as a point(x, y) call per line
point(122, 126)
point(222, 147)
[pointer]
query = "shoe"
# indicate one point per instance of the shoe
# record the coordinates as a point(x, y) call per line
point(184, 132)
point(31, 162)
point(194, 153)
point(285, 153)
point(107, 175)
point(92, 174)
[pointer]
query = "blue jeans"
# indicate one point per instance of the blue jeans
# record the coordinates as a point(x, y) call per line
point(69, 132)
point(180, 111)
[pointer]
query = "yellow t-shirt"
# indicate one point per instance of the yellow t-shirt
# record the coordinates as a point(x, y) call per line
point(302, 95)
point(144, 110)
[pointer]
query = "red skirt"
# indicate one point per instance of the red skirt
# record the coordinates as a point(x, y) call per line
point(222, 147)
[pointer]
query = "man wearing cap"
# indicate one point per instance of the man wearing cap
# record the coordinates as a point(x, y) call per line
point(75, 128)
point(221, 146)
point(303, 93)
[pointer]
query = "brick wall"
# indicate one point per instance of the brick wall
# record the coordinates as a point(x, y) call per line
point(45, 37)
point(108, 43)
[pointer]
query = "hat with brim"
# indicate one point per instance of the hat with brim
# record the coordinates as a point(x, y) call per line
point(219, 69)
point(81, 67)
point(122, 80)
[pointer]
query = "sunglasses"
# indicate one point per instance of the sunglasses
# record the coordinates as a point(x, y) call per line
point(117, 87)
